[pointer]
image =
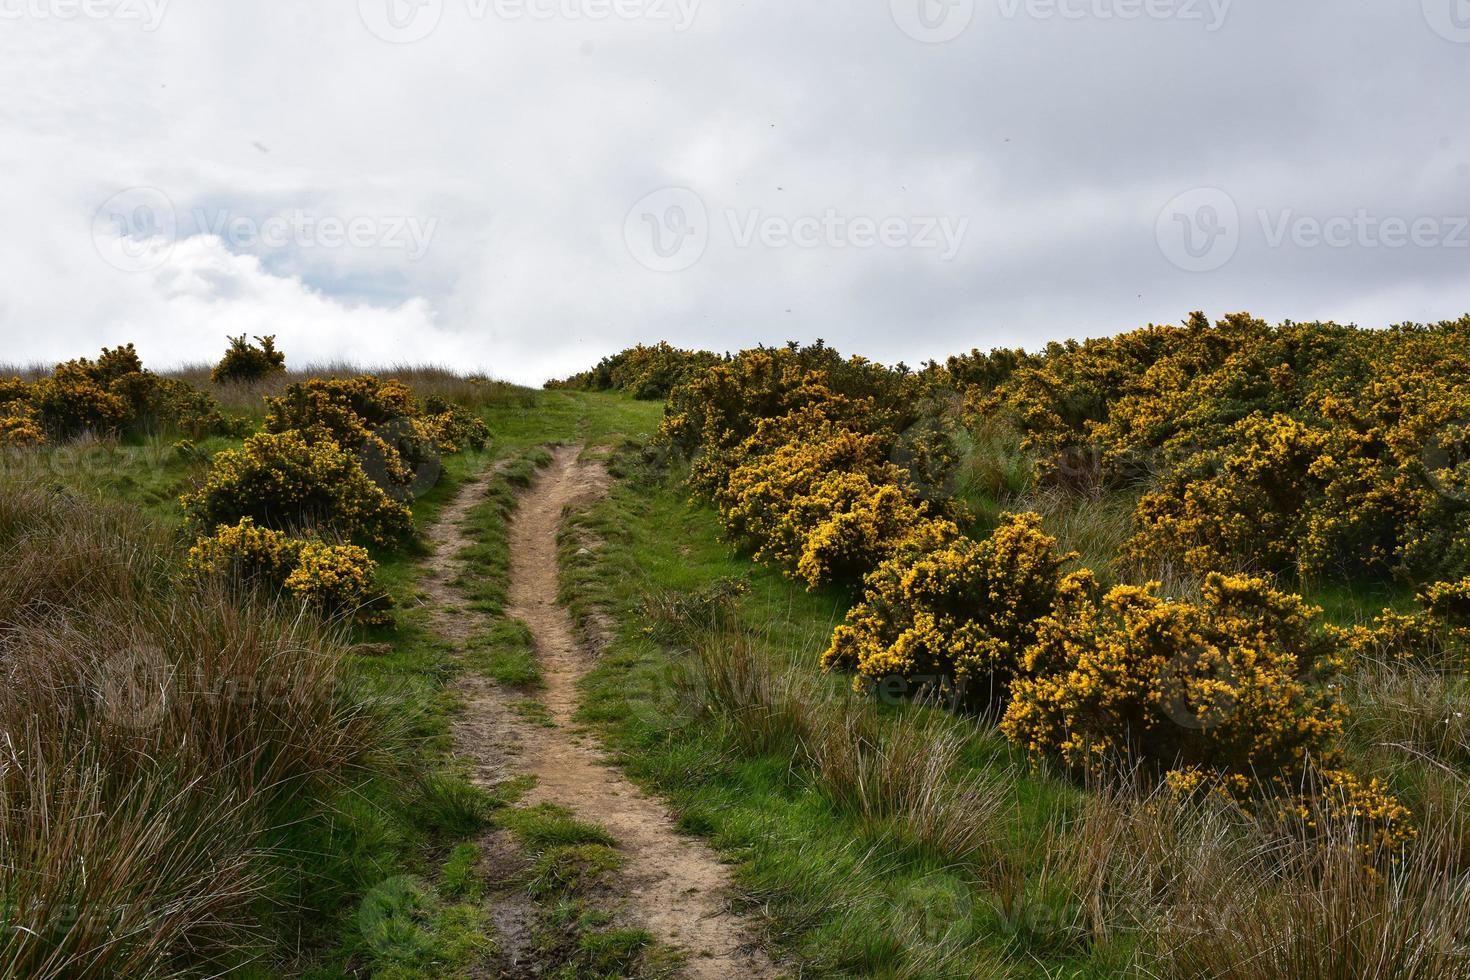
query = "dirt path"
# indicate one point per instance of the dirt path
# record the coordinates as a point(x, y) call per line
point(673, 886)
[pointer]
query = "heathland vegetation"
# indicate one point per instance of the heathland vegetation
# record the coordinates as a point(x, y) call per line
point(1138, 656)
point(1214, 575)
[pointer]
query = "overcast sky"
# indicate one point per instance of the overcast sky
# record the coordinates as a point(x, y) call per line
point(522, 186)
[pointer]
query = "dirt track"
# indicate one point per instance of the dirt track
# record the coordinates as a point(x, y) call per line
point(672, 885)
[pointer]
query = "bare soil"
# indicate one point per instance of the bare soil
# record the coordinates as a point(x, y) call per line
point(672, 885)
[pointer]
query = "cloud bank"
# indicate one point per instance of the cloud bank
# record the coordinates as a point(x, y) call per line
point(521, 186)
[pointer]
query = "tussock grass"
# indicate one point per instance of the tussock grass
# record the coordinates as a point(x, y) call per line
point(155, 736)
point(901, 774)
point(1312, 908)
point(1411, 712)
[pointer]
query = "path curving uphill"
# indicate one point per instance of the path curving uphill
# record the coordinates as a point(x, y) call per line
point(672, 885)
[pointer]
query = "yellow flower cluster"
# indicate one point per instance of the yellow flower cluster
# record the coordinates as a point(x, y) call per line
point(285, 482)
point(1324, 451)
point(1229, 684)
point(381, 421)
point(20, 425)
point(963, 614)
point(112, 394)
point(347, 409)
point(1381, 824)
point(794, 445)
point(817, 499)
point(336, 579)
point(1436, 634)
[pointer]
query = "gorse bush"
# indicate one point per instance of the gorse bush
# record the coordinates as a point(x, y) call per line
point(337, 580)
point(347, 409)
point(113, 395)
point(285, 482)
point(398, 442)
point(1233, 684)
point(962, 615)
point(724, 405)
point(1327, 452)
point(795, 446)
point(644, 372)
point(247, 363)
point(826, 506)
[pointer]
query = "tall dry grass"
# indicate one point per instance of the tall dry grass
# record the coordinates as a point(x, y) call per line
point(1197, 889)
point(1312, 907)
point(899, 774)
point(904, 774)
point(152, 736)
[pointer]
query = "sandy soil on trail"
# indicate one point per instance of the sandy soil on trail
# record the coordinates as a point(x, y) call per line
point(673, 886)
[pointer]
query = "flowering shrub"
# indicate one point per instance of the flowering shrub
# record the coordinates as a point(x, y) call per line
point(335, 579)
point(1228, 684)
point(645, 372)
point(1436, 634)
point(399, 443)
point(244, 362)
point(348, 409)
point(722, 406)
point(20, 428)
point(286, 482)
point(74, 400)
point(1338, 799)
point(965, 613)
point(1262, 504)
point(826, 506)
point(20, 425)
point(848, 524)
point(111, 395)
point(453, 428)
point(1324, 451)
